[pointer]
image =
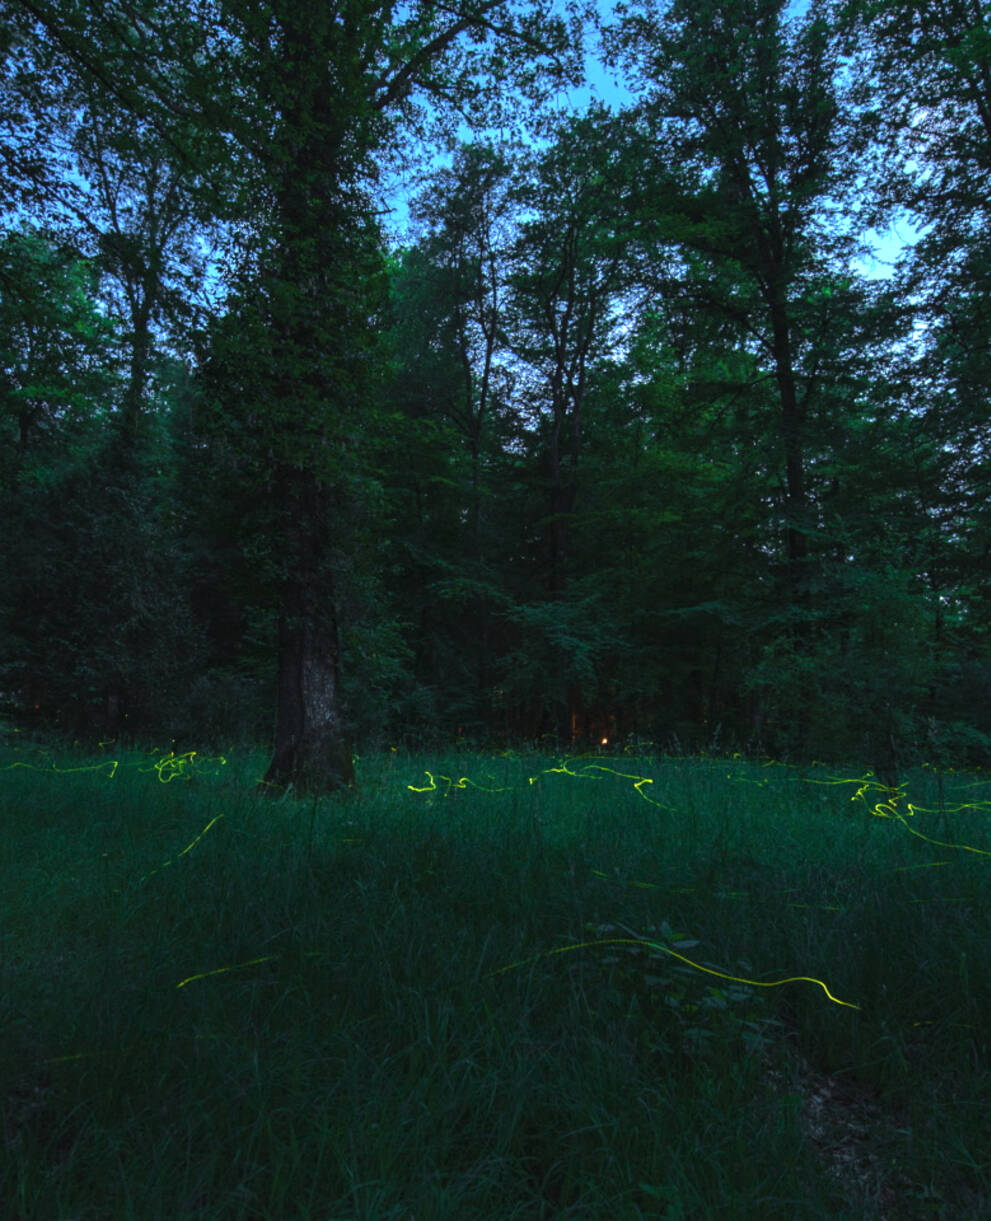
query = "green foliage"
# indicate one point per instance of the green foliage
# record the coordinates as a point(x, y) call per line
point(59, 355)
point(96, 626)
point(100, 630)
point(559, 643)
point(679, 1012)
point(621, 442)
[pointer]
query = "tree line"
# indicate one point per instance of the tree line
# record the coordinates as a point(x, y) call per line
point(621, 442)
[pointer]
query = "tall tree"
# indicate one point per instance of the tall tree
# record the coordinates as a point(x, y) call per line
point(106, 182)
point(745, 134)
point(301, 99)
point(465, 217)
point(331, 84)
point(573, 296)
point(741, 108)
point(451, 389)
point(924, 74)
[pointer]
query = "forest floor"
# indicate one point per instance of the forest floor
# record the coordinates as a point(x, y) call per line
point(485, 988)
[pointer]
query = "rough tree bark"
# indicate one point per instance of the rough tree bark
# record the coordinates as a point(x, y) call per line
point(311, 752)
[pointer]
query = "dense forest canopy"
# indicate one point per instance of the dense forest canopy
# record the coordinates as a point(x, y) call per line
point(620, 441)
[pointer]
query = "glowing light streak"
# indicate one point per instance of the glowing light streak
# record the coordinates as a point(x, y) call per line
point(889, 809)
point(463, 783)
point(697, 966)
point(171, 766)
point(238, 966)
point(895, 813)
point(582, 774)
point(112, 764)
point(252, 962)
point(171, 860)
point(121, 1051)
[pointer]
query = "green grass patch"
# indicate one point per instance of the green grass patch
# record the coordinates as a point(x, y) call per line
point(492, 988)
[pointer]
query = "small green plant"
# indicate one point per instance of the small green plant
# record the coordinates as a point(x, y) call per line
point(703, 1013)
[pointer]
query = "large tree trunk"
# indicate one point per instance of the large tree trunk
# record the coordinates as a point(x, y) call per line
point(312, 753)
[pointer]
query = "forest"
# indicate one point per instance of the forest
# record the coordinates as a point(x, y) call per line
point(360, 386)
point(543, 445)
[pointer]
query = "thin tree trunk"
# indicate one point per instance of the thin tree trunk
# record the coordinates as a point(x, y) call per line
point(791, 426)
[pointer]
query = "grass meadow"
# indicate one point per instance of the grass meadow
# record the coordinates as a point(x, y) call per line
point(492, 988)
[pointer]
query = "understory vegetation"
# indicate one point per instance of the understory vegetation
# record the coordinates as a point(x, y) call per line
point(492, 987)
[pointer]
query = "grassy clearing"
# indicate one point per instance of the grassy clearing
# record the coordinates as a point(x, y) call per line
point(487, 1000)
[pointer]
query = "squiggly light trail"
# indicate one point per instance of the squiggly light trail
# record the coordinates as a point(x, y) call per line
point(170, 766)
